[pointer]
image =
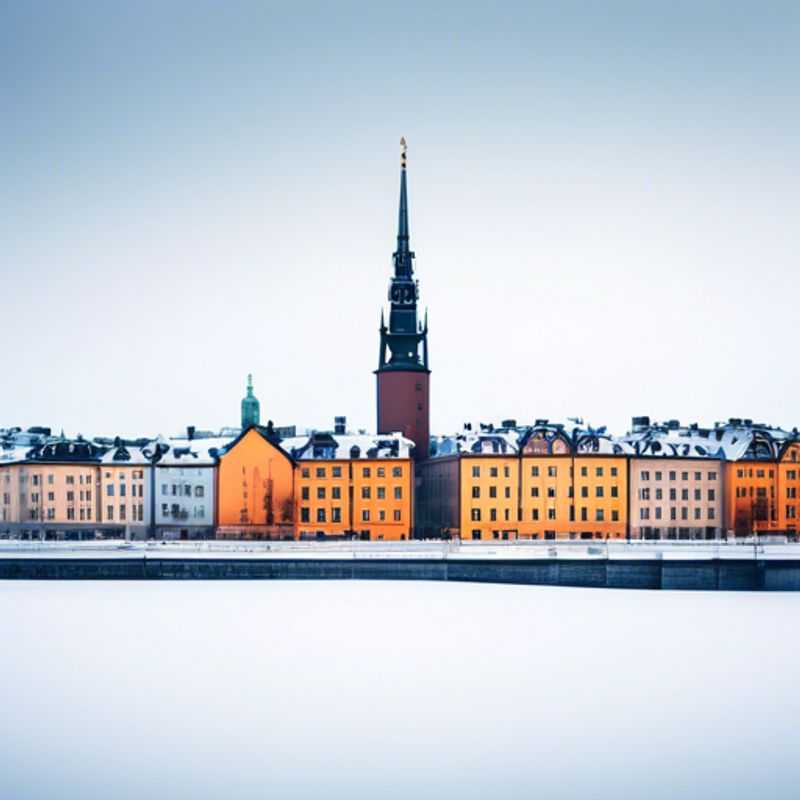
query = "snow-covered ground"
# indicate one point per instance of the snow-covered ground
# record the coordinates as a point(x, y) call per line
point(394, 690)
point(410, 549)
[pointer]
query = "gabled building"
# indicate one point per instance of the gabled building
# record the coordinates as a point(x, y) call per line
point(353, 485)
point(255, 487)
point(184, 485)
point(124, 500)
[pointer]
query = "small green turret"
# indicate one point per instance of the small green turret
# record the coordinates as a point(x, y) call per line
point(251, 408)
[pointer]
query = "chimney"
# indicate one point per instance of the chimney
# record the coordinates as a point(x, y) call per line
point(340, 425)
point(190, 432)
point(640, 424)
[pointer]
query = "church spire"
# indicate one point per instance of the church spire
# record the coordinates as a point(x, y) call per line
point(403, 256)
point(251, 408)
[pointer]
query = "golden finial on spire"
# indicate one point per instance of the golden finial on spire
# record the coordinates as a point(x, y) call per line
point(403, 149)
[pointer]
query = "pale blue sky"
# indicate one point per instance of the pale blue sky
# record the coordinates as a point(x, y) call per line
point(604, 203)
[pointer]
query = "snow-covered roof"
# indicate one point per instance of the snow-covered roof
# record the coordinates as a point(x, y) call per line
point(323, 445)
point(730, 441)
point(185, 452)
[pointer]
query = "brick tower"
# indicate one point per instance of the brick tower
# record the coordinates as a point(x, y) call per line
point(403, 374)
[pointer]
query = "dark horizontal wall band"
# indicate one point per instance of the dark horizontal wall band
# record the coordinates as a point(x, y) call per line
point(714, 574)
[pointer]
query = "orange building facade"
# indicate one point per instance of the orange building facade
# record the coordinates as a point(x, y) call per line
point(255, 488)
point(543, 486)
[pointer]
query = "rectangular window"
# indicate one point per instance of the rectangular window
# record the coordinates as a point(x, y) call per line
point(476, 491)
point(658, 476)
point(122, 490)
point(615, 491)
point(615, 515)
point(365, 493)
point(475, 514)
point(645, 476)
point(684, 476)
point(506, 472)
point(697, 513)
point(306, 473)
point(551, 491)
point(673, 513)
point(336, 514)
point(658, 512)
point(535, 514)
point(493, 514)
point(381, 472)
point(305, 514)
point(492, 491)
point(398, 515)
point(711, 512)
point(321, 515)
point(673, 475)
point(551, 513)
point(644, 513)
point(659, 494)
point(336, 492)
point(365, 515)
point(336, 472)
point(476, 472)
point(398, 492)
point(584, 471)
point(110, 513)
point(534, 472)
point(381, 493)
point(122, 513)
point(599, 515)
point(613, 472)
point(366, 472)
point(698, 494)
point(320, 472)
point(598, 491)
point(305, 493)
point(673, 494)
point(492, 472)
point(534, 491)
point(584, 514)
point(598, 471)
point(476, 535)
point(199, 491)
point(712, 476)
point(584, 491)
point(71, 514)
point(552, 472)
point(164, 489)
point(110, 490)
point(508, 491)
point(321, 492)
point(684, 513)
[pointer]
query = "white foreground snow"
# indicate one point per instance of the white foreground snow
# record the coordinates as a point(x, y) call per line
point(394, 690)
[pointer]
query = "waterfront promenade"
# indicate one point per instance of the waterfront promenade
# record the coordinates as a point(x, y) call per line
point(743, 565)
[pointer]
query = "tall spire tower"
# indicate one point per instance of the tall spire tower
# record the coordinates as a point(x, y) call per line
point(403, 373)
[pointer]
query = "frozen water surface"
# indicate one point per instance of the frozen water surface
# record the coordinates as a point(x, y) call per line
point(395, 690)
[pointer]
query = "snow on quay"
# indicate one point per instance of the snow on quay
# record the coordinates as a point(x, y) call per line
point(410, 550)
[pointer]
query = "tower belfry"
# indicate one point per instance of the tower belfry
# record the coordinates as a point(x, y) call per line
point(403, 373)
point(251, 408)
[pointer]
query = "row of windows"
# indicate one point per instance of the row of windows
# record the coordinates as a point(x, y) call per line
point(336, 492)
point(644, 513)
point(336, 515)
point(36, 480)
point(673, 475)
point(748, 473)
point(583, 511)
point(137, 475)
point(552, 471)
point(599, 491)
point(758, 491)
point(182, 490)
point(85, 497)
point(137, 490)
point(137, 513)
point(336, 472)
point(505, 535)
point(644, 494)
point(83, 514)
point(176, 511)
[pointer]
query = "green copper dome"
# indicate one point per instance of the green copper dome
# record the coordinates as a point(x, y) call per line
point(251, 408)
